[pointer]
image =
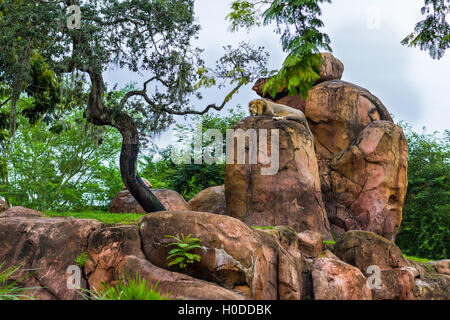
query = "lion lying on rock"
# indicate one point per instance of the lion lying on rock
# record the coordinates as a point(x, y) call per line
point(278, 112)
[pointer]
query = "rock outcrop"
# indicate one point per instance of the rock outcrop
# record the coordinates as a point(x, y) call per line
point(337, 280)
point(124, 202)
point(292, 195)
point(45, 248)
point(361, 153)
point(209, 200)
point(3, 206)
point(233, 255)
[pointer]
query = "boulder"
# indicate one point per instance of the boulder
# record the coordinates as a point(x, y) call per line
point(337, 280)
point(363, 249)
point(48, 246)
point(209, 200)
point(369, 181)
point(116, 251)
point(232, 255)
point(311, 243)
point(176, 285)
point(442, 266)
point(124, 202)
point(3, 206)
point(106, 250)
point(292, 195)
point(395, 284)
point(21, 212)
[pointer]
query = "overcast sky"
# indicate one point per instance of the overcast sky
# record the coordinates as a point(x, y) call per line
point(365, 36)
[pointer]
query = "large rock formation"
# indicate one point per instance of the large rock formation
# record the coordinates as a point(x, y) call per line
point(124, 202)
point(45, 248)
point(291, 196)
point(233, 255)
point(362, 161)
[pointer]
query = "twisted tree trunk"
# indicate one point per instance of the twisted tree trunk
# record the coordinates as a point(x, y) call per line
point(98, 114)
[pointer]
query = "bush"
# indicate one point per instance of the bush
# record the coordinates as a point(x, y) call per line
point(425, 229)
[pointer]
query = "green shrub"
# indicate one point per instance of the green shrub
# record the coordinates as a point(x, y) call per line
point(127, 289)
point(425, 229)
point(181, 253)
point(263, 228)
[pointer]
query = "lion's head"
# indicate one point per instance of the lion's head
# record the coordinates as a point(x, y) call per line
point(256, 107)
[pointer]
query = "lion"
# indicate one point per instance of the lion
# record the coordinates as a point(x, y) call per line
point(278, 112)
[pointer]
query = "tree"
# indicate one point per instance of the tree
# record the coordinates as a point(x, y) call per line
point(189, 179)
point(145, 36)
point(298, 23)
point(425, 227)
point(68, 168)
point(432, 33)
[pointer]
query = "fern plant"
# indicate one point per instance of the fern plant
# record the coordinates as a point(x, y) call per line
point(127, 289)
point(9, 289)
point(181, 255)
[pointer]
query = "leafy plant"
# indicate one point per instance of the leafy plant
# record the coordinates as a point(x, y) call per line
point(9, 289)
point(81, 259)
point(425, 231)
point(181, 254)
point(127, 289)
point(263, 228)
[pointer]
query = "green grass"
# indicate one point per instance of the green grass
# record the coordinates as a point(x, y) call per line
point(104, 217)
point(417, 259)
point(263, 228)
point(329, 242)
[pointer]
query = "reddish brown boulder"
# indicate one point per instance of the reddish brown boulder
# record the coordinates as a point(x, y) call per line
point(209, 200)
point(176, 285)
point(106, 249)
point(21, 212)
point(395, 284)
point(124, 202)
point(369, 181)
point(336, 280)
point(311, 243)
point(233, 255)
point(48, 246)
point(116, 251)
point(363, 249)
point(291, 196)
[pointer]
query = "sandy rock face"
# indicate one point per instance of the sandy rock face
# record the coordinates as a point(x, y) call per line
point(49, 246)
point(124, 202)
point(337, 280)
point(209, 200)
point(233, 255)
point(290, 197)
point(115, 251)
point(369, 181)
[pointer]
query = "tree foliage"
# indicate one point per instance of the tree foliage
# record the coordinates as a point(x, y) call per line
point(425, 229)
point(298, 23)
point(433, 32)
